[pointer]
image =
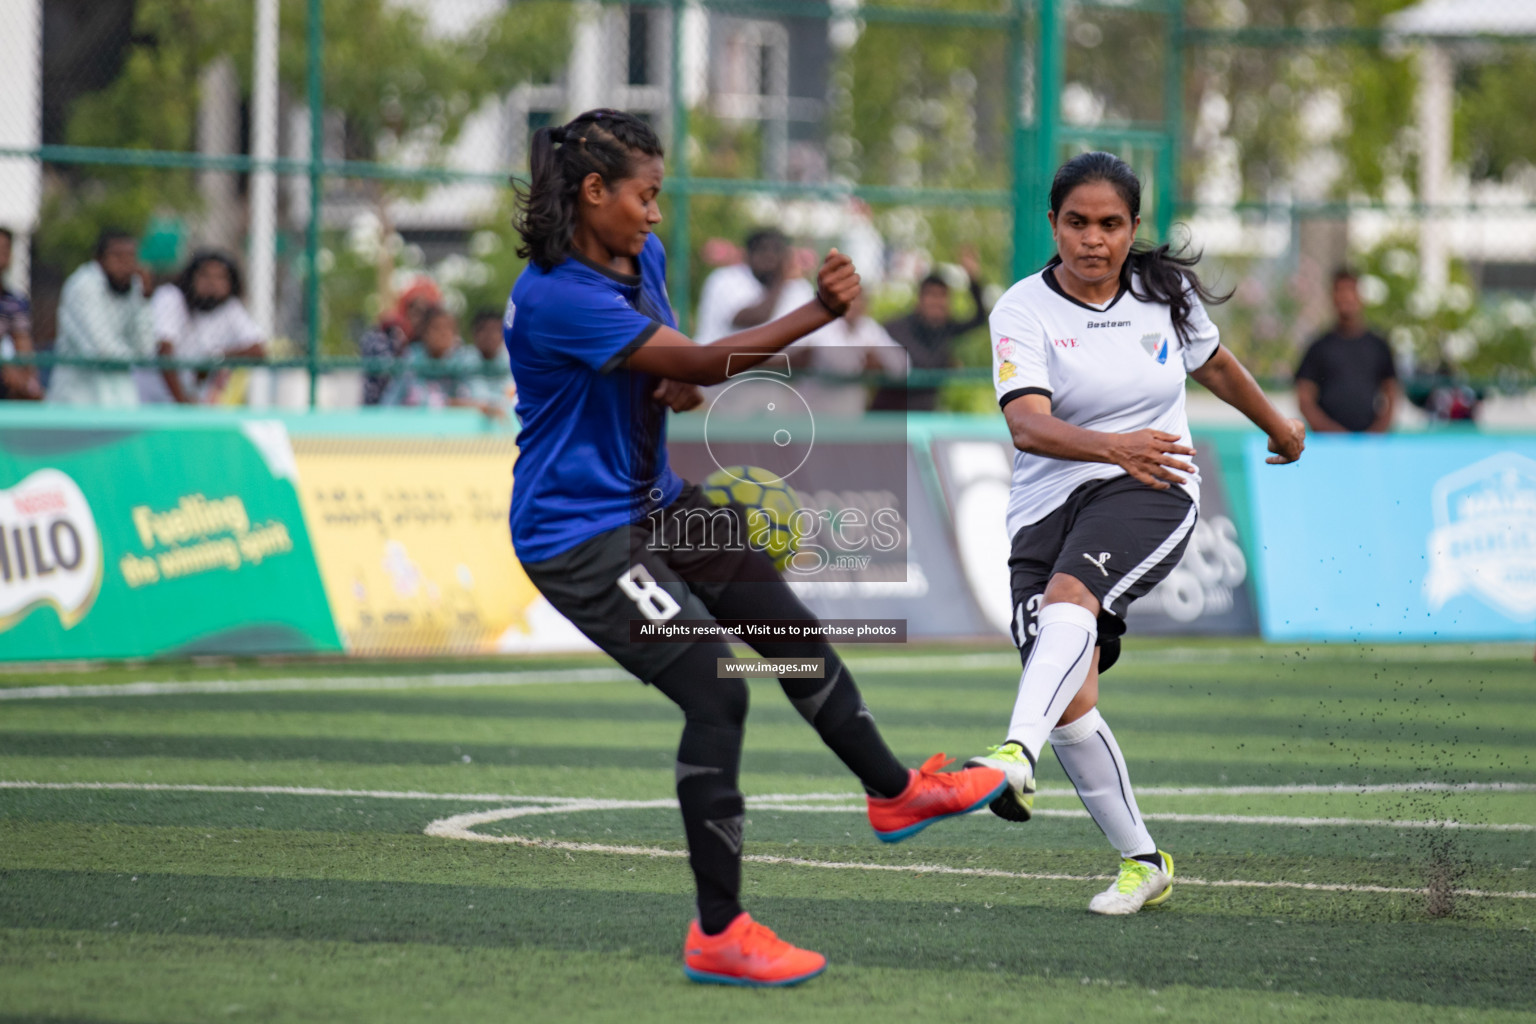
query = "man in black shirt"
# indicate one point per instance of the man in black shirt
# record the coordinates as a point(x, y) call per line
point(928, 334)
point(1346, 381)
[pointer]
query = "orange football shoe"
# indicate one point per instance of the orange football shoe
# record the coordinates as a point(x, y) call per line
point(933, 795)
point(747, 953)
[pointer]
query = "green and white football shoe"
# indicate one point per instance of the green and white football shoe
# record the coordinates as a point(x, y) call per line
point(1138, 885)
point(1017, 801)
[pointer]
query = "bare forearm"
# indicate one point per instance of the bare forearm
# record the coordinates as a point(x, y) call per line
point(1312, 412)
point(1154, 457)
point(1383, 421)
point(1037, 433)
point(173, 385)
point(166, 350)
point(759, 311)
point(674, 356)
point(1230, 381)
point(255, 350)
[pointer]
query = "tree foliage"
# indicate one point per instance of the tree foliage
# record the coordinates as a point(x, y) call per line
point(401, 91)
point(1282, 100)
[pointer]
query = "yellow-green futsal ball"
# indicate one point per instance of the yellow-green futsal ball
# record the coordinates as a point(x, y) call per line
point(771, 505)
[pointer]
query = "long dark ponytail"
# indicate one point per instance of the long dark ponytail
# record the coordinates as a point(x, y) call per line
point(1153, 273)
point(604, 142)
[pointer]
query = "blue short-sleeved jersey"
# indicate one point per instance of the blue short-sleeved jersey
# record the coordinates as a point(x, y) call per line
point(592, 449)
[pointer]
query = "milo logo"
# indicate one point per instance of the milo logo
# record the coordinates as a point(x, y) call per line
point(50, 551)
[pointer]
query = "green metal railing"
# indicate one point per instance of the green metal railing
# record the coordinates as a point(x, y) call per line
point(1039, 138)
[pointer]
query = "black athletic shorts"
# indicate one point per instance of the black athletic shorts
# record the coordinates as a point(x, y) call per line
point(670, 565)
point(1118, 536)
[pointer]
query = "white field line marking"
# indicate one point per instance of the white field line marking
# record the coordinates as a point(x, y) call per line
point(321, 683)
point(776, 802)
point(1281, 654)
point(1360, 789)
point(778, 798)
point(880, 663)
point(1222, 819)
point(461, 826)
point(434, 681)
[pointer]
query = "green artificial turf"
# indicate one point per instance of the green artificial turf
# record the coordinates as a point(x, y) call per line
point(178, 904)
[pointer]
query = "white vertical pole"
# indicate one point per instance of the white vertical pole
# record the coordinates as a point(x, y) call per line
point(218, 134)
point(695, 55)
point(263, 180)
point(1435, 99)
point(586, 87)
point(21, 121)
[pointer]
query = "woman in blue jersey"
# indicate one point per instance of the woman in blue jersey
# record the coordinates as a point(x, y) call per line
point(600, 522)
point(1090, 358)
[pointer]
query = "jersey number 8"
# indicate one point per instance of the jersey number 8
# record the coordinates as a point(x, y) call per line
point(641, 587)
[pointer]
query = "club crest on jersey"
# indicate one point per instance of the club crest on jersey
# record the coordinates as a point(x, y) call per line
point(1156, 346)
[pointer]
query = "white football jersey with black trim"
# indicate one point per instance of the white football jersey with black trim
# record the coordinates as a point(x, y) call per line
point(1117, 369)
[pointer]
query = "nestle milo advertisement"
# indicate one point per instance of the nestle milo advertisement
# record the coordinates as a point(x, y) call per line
point(160, 542)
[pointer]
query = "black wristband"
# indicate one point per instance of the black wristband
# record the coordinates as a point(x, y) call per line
point(827, 305)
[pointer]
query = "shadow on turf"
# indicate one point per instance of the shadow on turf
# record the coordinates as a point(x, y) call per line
point(1410, 961)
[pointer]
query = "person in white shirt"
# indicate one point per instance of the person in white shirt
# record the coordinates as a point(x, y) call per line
point(199, 316)
point(849, 346)
point(749, 294)
point(743, 295)
point(103, 314)
point(1090, 358)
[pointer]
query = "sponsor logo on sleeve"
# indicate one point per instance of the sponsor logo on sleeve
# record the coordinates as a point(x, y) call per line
point(50, 550)
point(1484, 539)
point(1006, 371)
point(1004, 349)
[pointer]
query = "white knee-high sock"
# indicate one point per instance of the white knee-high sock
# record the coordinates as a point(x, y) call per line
point(1058, 666)
point(1088, 752)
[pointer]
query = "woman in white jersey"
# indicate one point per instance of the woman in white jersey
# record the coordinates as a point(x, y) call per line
point(1090, 357)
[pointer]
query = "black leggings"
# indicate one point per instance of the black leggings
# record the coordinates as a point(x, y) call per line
point(714, 720)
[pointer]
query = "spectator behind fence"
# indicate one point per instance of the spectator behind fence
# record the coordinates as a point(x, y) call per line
point(493, 385)
point(1448, 396)
point(396, 329)
point(104, 314)
point(928, 334)
point(743, 295)
point(199, 316)
point(1346, 381)
point(851, 345)
point(439, 369)
point(16, 382)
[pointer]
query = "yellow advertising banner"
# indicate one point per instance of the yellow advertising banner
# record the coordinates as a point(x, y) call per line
point(413, 547)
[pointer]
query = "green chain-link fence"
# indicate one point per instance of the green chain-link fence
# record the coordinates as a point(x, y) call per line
point(344, 148)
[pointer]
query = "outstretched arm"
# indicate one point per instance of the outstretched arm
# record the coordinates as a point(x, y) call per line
point(671, 354)
point(1230, 381)
point(972, 267)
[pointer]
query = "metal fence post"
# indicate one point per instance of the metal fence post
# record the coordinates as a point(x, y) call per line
point(1173, 95)
point(680, 256)
point(1050, 46)
point(316, 154)
point(1022, 147)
